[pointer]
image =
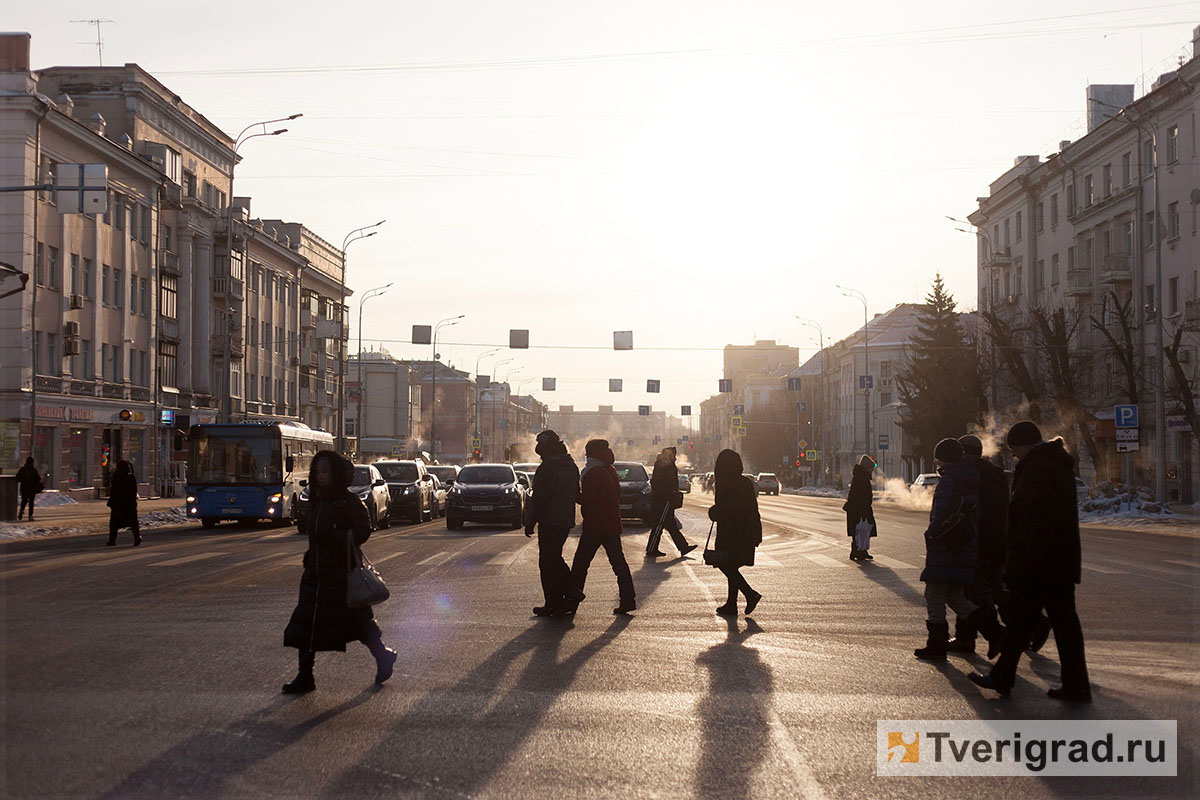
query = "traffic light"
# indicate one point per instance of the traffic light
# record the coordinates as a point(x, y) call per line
point(477, 454)
point(797, 462)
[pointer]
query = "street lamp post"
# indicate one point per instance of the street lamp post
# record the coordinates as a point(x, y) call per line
point(820, 426)
point(857, 295)
point(243, 136)
point(358, 428)
point(507, 402)
point(1160, 413)
point(520, 386)
point(478, 388)
point(351, 237)
point(991, 296)
point(491, 447)
point(433, 398)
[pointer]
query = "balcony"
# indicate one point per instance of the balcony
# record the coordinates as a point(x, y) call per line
point(236, 346)
point(82, 388)
point(220, 286)
point(328, 329)
point(251, 407)
point(114, 391)
point(168, 263)
point(49, 383)
point(308, 319)
point(1079, 283)
point(1001, 257)
point(139, 393)
point(1117, 268)
point(237, 288)
point(1191, 315)
point(313, 360)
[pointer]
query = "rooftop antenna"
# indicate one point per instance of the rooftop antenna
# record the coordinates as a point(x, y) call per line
point(99, 39)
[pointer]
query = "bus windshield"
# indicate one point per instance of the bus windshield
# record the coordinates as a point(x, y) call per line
point(224, 457)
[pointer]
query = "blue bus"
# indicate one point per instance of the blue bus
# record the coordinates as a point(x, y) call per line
point(249, 471)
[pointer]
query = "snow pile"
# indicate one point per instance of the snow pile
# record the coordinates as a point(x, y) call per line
point(815, 491)
point(1108, 500)
point(17, 530)
point(53, 497)
point(158, 519)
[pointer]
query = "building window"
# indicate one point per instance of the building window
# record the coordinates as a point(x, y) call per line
point(266, 336)
point(118, 211)
point(1147, 159)
point(254, 270)
point(1070, 258)
point(1054, 269)
point(75, 274)
point(1040, 277)
point(1053, 210)
point(1150, 295)
point(1089, 195)
point(278, 339)
point(1173, 296)
point(89, 279)
point(168, 364)
point(1149, 229)
point(1039, 217)
point(118, 289)
point(168, 296)
point(53, 363)
point(885, 398)
point(189, 184)
point(1007, 230)
point(235, 382)
point(105, 286)
point(133, 294)
point(1087, 254)
point(85, 357)
point(1070, 201)
point(1127, 169)
point(1172, 220)
point(1127, 236)
point(1172, 144)
point(1108, 184)
point(1018, 226)
point(144, 287)
point(885, 370)
point(1018, 281)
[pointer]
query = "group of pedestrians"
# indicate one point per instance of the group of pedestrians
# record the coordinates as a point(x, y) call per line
point(122, 498)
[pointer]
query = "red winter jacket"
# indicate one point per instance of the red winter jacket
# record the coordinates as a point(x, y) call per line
point(600, 501)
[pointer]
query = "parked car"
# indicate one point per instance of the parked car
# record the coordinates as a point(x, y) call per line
point(526, 481)
point(440, 493)
point(447, 474)
point(530, 467)
point(372, 489)
point(486, 493)
point(411, 488)
point(685, 484)
point(926, 480)
point(635, 491)
point(767, 483)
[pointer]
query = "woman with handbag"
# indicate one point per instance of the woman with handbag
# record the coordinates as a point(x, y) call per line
point(338, 524)
point(858, 509)
point(122, 499)
point(739, 530)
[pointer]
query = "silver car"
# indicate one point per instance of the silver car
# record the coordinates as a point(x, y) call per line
point(372, 489)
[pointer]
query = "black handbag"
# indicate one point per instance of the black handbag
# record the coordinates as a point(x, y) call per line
point(364, 585)
point(714, 558)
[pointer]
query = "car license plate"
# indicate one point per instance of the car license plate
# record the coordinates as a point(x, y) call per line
point(627, 507)
point(231, 511)
point(481, 508)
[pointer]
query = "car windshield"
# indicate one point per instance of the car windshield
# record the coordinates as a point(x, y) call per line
point(443, 473)
point(490, 475)
point(631, 472)
point(767, 476)
point(398, 472)
point(530, 467)
point(241, 456)
point(362, 476)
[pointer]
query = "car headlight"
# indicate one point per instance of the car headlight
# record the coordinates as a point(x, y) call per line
point(510, 490)
point(275, 498)
point(364, 495)
point(409, 489)
point(191, 498)
point(304, 495)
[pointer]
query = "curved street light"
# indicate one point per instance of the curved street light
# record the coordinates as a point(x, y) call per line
point(445, 323)
point(351, 237)
point(358, 426)
point(862, 298)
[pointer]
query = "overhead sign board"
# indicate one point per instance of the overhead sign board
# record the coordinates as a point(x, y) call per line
point(81, 188)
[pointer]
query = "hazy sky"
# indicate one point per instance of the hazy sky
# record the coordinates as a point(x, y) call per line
point(697, 172)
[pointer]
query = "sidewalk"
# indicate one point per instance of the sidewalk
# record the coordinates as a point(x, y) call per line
point(90, 516)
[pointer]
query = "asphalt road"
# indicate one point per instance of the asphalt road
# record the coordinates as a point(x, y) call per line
point(154, 672)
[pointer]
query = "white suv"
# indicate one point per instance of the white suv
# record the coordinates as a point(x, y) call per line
point(767, 483)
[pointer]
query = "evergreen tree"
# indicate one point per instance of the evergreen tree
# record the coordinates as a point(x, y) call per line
point(940, 381)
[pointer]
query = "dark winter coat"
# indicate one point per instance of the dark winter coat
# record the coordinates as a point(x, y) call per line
point(993, 512)
point(950, 558)
point(664, 486)
point(858, 501)
point(321, 620)
point(1043, 518)
point(28, 481)
point(122, 499)
point(600, 499)
point(555, 490)
point(739, 527)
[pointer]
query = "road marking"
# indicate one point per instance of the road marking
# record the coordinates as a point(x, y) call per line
point(504, 559)
point(1188, 564)
point(122, 559)
point(184, 560)
point(278, 535)
point(809, 785)
point(388, 556)
point(763, 560)
point(1102, 570)
point(432, 558)
point(824, 560)
point(894, 563)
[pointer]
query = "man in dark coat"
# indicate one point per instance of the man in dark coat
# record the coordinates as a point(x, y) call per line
point(122, 499)
point(993, 534)
point(1043, 563)
point(858, 506)
point(951, 541)
point(665, 497)
point(29, 483)
point(552, 510)
point(600, 503)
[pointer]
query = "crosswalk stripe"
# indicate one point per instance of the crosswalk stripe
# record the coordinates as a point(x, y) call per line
point(1101, 570)
point(1188, 564)
point(447, 554)
point(504, 559)
point(824, 560)
point(184, 560)
point(121, 559)
point(761, 559)
point(388, 556)
point(894, 563)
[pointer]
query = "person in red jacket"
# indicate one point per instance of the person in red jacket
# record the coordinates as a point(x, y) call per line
point(600, 502)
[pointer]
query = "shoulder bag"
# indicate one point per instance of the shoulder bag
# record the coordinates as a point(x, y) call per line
point(714, 558)
point(364, 585)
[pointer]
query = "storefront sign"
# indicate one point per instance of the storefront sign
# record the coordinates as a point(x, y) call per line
point(82, 414)
point(1177, 422)
point(10, 444)
point(52, 412)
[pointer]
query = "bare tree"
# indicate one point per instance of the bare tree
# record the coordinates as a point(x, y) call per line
point(1180, 387)
point(1055, 330)
point(1013, 358)
point(1122, 344)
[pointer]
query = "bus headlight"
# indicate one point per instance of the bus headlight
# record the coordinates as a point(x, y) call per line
point(194, 511)
point(191, 498)
point(270, 511)
point(275, 498)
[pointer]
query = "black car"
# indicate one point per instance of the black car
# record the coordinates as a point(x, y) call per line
point(635, 491)
point(411, 488)
point(446, 473)
point(488, 493)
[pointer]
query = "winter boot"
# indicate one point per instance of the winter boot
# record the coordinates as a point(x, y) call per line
point(303, 683)
point(993, 681)
point(935, 645)
point(964, 637)
point(984, 620)
point(385, 657)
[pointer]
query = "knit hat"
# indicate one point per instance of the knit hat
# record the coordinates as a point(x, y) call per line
point(547, 436)
point(948, 450)
point(1023, 433)
point(972, 445)
point(595, 448)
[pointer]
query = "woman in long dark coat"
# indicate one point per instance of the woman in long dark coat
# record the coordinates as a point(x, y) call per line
point(858, 505)
point(29, 482)
point(322, 621)
point(739, 528)
point(122, 499)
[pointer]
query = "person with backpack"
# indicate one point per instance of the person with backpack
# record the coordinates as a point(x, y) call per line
point(600, 504)
point(29, 485)
point(122, 499)
point(858, 508)
point(951, 542)
point(322, 620)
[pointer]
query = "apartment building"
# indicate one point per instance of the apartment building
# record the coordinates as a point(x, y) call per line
point(383, 408)
point(451, 425)
point(1078, 233)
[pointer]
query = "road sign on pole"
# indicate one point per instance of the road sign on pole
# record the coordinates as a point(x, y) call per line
point(866, 381)
point(803, 444)
point(741, 431)
point(884, 441)
point(1126, 416)
point(811, 455)
point(736, 422)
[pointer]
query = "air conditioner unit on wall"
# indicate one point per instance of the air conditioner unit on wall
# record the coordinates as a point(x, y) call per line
point(71, 347)
point(71, 329)
point(76, 301)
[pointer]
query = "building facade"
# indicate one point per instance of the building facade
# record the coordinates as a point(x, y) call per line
point(383, 408)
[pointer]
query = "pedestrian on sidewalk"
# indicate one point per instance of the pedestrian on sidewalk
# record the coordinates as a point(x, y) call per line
point(988, 589)
point(858, 507)
point(951, 543)
point(122, 499)
point(739, 529)
point(600, 504)
point(552, 511)
point(322, 621)
point(1044, 562)
point(665, 497)
point(29, 485)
